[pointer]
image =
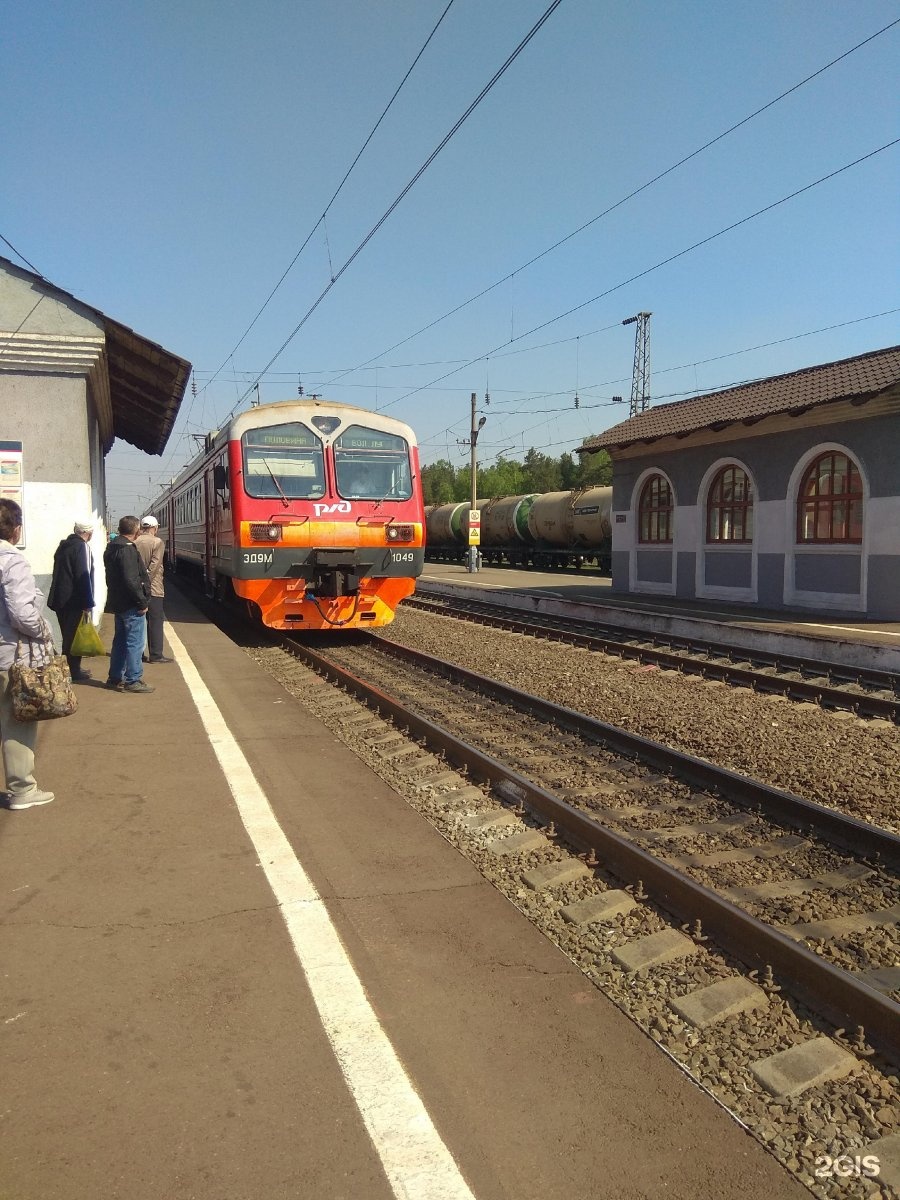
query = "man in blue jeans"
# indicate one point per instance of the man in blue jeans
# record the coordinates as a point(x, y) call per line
point(128, 596)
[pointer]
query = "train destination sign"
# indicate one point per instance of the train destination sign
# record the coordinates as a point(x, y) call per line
point(358, 438)
point(281, 437)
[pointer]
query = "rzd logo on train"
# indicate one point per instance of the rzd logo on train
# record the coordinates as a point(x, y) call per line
point(342, 506)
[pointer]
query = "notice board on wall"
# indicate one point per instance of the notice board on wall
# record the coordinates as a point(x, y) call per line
point(12, 478)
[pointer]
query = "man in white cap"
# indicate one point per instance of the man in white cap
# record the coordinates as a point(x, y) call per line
point(152, 551)
point(71, 594)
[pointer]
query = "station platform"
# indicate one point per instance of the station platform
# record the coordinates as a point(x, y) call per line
point(583, 595)
point(237, 966)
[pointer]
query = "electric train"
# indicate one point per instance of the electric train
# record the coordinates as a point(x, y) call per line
point(309, 511)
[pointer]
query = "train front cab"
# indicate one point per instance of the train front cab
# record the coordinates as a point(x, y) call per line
point(326, 527)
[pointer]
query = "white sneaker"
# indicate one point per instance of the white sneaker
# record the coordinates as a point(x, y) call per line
point(29, 800)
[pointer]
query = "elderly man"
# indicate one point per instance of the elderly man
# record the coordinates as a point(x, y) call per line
point(72, 589)
point(152, 550)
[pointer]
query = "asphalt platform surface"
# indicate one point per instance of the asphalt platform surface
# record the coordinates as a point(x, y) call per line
point(162, 1039)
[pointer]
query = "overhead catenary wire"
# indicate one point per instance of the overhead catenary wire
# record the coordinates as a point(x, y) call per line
point(19, 254)
point(334, 196)
point(443, 437)
point(316, 371)
point(520, 401)
point(421, 171)
point(649, 270)
point(516, 405)
point(618, 204)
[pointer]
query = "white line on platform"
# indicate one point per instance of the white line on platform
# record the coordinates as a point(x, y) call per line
point(417, 1163)
point(852, 629)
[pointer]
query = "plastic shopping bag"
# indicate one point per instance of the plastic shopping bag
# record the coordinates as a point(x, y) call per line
point(86, 642)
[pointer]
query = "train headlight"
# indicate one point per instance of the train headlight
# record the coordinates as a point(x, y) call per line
point(400, 533)
point(262, 533)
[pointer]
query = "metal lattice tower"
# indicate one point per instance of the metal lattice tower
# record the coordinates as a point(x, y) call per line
point(640, 377)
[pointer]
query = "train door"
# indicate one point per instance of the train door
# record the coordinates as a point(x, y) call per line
point(210, 528)
point(170, 533)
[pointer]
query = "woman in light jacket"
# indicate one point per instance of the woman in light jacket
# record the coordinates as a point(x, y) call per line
point(20, 620)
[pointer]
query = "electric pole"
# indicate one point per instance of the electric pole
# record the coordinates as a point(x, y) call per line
point(640, 376)
point(474, 514)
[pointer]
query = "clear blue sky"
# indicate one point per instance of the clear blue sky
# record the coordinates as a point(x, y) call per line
point(165, 162)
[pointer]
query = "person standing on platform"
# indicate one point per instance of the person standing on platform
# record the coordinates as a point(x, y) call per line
point(72, 589)
point(152, 550)
point(128, 595)
point(20, 620)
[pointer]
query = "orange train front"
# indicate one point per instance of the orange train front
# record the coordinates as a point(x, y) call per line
point(308, 510)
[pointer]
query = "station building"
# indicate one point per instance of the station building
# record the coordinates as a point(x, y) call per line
point(72, 380)
point(782, 493)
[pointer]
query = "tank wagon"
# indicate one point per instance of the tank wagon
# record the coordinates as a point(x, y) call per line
point(549, 531)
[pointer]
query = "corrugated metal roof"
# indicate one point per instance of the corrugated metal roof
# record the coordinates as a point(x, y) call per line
point(858, 378)
point(146, 382)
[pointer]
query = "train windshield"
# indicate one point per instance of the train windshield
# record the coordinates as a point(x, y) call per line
point(284, 462)
point(371, 465)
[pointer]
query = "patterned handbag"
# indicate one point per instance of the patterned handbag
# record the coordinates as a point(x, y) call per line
point(41, 687)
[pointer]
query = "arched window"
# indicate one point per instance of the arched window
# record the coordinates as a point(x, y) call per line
point(729, 507)
point(830, 504)
point(655, 511)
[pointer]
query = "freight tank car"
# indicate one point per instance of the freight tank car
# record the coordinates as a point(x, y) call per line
point(549, 531)
point(310, 512)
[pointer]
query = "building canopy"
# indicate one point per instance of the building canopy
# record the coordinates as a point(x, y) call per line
point(142, 386)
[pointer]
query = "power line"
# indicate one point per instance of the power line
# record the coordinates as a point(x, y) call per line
point(648, 270)
point(316, 371)
point(335, 195)
point(19, 254)
point(636, 192)
point(438, 362)
point(421, 171)
point(500, 404)
point(623, 379)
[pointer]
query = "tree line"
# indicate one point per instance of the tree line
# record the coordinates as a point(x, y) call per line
point(442, 483)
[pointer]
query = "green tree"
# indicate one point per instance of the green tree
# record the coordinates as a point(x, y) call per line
point(443, 483)
point(594, 470)
point(439, 482)
point(568, 472)
point(541, 473)
point(502, 478)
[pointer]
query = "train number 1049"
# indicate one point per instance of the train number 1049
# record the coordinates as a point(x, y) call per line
point(403, 556)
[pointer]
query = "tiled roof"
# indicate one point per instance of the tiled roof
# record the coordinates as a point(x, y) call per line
point(849, 379)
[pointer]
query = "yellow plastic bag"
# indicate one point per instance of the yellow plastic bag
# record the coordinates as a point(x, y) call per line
point(86, 642)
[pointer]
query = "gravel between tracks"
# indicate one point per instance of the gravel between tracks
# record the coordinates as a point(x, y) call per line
point(840, 1118)
point(833, 759)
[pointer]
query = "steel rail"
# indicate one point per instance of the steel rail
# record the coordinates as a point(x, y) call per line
point(859, 837)
point(827, 990)
point(815, 690)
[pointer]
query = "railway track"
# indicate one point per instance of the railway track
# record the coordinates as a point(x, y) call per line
point(798, 893)
point(866, 692)
point(797, 1039)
